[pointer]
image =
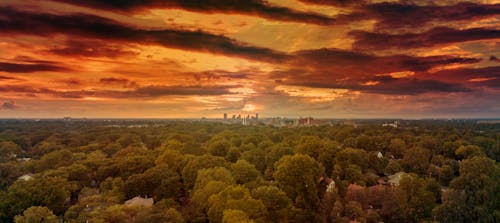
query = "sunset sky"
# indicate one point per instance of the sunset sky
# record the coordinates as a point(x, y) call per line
point(194, 58)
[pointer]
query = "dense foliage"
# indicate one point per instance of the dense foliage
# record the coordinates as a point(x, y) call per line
point(85, 171)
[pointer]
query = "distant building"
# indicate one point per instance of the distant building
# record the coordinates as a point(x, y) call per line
point(225, 116)
point(379, 155)
point(26, 177)
point(256, 115)
point(305, 121)
point(395, 178)
point(139, 201)
point(394, 124)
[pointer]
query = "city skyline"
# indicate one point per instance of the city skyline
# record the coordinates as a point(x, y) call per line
point(277, 58)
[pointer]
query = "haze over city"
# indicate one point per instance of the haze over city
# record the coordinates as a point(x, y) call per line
point(192, 59)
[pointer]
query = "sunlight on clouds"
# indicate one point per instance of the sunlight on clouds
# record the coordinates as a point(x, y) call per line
point(401, 74)
point(198, 61)
point(370, 83)
point(300, 6)
point(312, 94)
point(217, 23)
point(249, 108)
point(481, 79)
point(242, 90)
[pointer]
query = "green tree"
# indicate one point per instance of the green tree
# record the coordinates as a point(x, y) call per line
point(55, 159)
point(417, 200)
point(235, 216)
point(298, 176)
point(51, 192)
point(417, 160)
point(36, 214)
point(172, 216)
point(220, 174)
point(473, 196)
point(236, 198)
point(275, 200)
point(190, 171)
point(397, 147)
point(257, 157)
point(354, 211)
point(9, 150)
point(219, 147)
point(244, 172)
point(275, 154)
point(464, 152)
point(157, 182)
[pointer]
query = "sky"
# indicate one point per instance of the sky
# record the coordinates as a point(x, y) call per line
point(288, 58)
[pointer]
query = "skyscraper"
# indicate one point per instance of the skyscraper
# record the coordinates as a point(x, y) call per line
point(225, 116)
point(256, 115)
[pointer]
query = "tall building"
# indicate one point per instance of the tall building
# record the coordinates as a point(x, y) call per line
point(256, 115)
point(225, 116)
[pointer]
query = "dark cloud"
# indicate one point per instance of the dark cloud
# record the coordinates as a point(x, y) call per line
point(139, 92)
point(389, 85)
point(9, 105)
point(246, 7)
point(221, 74)
point(331, 63)
point(494, 58)
point(474, 77)
point(340, 3)
point(464, 74)
point(7, 78)
point(155, 91)
point(13, 21)
point(30, 67)
point(91, 48)
point(409, 14)
point(72, 81)
point(437, 36)
point(122, 82)
point(393, 15)
point(333, 68)
point(411, 86)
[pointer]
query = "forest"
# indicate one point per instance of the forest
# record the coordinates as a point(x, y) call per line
point(140, 171)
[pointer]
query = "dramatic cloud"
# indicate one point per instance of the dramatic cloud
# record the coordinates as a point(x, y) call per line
point(407, 14)
point(341, 3)
point(7, 78)
point(41, 24)
point(391, 86)
point(122, 82)
point(9, 105)
point(30, 67)
point(246, 7)
point(193, 58)
point(155, 91)
point(477, 77)
point(333, 68)
point(218, 74)
point(334, 63)
point(72, 81)
point(392, 15)
point(91, 48)
point(437, 36)
point(152, 91)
